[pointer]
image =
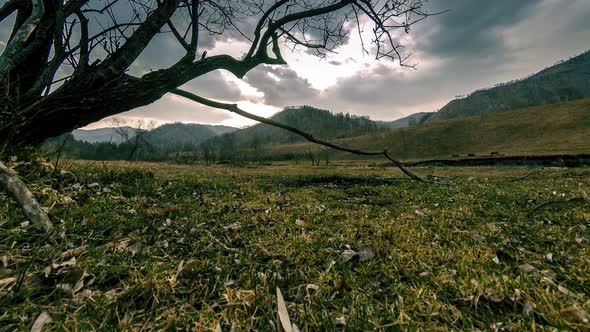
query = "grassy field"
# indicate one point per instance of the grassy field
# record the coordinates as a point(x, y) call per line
point(541, 130)
point(169, 247)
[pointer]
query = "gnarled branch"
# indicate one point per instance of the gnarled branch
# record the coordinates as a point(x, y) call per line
point(235, 109)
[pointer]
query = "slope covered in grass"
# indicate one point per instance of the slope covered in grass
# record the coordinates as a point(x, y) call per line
point(542, 130)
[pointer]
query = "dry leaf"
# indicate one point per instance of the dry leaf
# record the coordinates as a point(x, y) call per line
point(7, 281)
point(420, 213)
point(312, 286)
point(576, 315)
point(549, 258)
point(527, 268)
point(301, 223)
point(348, 254)
point(528, 308)
point(567, 292)
point(230, 283)
point(73, 252)
point(283, 314)
point(365, 253)
point(218, 328)
point(43, 319)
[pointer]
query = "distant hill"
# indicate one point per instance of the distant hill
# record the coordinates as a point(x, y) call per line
point(220, 130)
point(176, 137)
point(102, 135)
point(407, 121)
point(566, 81)
point(320, 123)
point(555, 129)
point(176, 133)
point(155, 144)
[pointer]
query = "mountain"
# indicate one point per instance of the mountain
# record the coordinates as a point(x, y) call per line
point(176, 137)
point(220, 130)
point(565, 81)
point(407, 121)
point(320, 123)
point(103, 134)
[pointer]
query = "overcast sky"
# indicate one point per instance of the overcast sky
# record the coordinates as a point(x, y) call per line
point(476, 44)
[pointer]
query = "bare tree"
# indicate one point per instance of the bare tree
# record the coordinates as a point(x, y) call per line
point(134, 136)
point(65, 64)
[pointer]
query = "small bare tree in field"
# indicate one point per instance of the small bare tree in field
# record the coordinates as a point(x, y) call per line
point(93, 49)
point(133, 135)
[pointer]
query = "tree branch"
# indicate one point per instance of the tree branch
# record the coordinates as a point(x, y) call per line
point(260, 25)
point(33, 211)
point(195, 27)
point(123, 57)
point(275, 25)
point(84, 42)
point(13, 52)
point(9, 8)
point(178, 37)
point(235, 109)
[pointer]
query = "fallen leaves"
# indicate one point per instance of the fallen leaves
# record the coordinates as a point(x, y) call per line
point(365, 253)
point(42, 320)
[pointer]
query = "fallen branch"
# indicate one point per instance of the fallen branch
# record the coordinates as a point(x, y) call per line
point(33, 211)
point(235, 109)
point(568, 201)
point(524, 176)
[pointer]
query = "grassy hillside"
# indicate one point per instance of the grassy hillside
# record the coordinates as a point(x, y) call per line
point(542, 130)
point(565, 81)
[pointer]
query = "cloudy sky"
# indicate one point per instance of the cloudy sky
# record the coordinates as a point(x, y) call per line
point(476, 44)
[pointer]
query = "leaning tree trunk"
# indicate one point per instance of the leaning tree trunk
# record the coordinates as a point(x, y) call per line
point(72, 106)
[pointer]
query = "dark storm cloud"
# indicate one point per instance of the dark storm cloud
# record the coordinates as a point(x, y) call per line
point(471, 27)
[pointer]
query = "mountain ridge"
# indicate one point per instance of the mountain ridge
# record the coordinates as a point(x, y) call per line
point(565, 81)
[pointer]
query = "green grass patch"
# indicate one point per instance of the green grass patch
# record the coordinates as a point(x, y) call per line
point(169, 247)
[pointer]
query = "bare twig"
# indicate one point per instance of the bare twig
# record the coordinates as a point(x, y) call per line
point(61, 148)
point(235, 109)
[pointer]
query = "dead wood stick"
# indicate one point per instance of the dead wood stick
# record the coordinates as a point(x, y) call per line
point(524, 176)
point(235, 109)
point(33, 211)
